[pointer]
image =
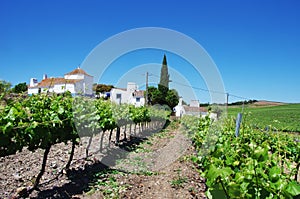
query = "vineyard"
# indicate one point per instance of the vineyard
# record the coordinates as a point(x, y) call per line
point(284, 117)
point(42, 121)
point(256, 163)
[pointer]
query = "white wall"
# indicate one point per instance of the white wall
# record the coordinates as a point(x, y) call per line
point(77, 76)
point(83, 87)
point(125, 98)
point(33, 82)
point(194, 103)
point(131, 87)
point(58, 88)
point(61, 88)
point(133, 101)
point(88, 85)
point(78, 87)
point(33, 91)
point(179, 111)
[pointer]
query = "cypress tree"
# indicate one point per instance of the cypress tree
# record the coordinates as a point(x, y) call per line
point(163, 86)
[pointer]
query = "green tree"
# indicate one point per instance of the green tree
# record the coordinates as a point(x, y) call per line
point(20, 88)
point(163, 86)
point(4, 88)
point(162, 95)
point(172, 98)
point(100, 88)
point(155, 96)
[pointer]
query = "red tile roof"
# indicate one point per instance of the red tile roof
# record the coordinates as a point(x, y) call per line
point(50, 82)
point(138, 93)
point(77, 71)
point(194, 109)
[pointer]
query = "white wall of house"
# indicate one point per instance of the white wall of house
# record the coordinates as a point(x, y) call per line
point(122, 96)
point(137, 101)
point(85, 86)
point(33, 82)
point(194, 103)
point(57, 88)
point(88, 84)
point(79, 87)
point(33, 91)
point(70, 87)
point(61, 88)
point(179, 111)
point(131, 87)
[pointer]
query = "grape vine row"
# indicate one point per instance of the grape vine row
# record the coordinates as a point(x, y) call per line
point(41, 121)
point(255, 164)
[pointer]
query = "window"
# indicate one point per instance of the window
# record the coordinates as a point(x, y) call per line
point(138, 99)
point(118, 96)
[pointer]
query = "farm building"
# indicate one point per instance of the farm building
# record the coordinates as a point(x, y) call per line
point(129, 95)
point(76, 82)
point(193, 109)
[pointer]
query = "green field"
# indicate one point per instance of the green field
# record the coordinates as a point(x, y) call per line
point(283, 117)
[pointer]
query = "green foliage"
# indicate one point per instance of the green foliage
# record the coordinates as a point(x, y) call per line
point(254, 165)
point(4, 88)
point(172, 98)
point(20, 88)
point(163, 86)
point(162, 95)
point(107, 183)
point(243, 102)
point(100, 88)
point(284, 117)
point(179, 180)
point(155, 96)
point(40, 121)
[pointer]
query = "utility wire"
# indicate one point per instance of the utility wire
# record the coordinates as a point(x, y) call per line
point(205, 90)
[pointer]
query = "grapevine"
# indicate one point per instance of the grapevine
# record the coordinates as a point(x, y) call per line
point(254, 165)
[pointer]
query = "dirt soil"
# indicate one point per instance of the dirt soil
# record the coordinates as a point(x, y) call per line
point(154, 167)
point(267, 103)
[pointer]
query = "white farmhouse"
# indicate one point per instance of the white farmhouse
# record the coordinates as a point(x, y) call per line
point(129, 95)
point(76, 81)
point(193, 109)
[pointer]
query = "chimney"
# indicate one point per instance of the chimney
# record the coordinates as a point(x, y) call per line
point(131, 86)
point(44, 76)
point(194, 103)
point(33, 82)
point(180, 101)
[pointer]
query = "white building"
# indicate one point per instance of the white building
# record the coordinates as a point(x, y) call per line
point(129, 95)
point(193, 109)
point(76, 81)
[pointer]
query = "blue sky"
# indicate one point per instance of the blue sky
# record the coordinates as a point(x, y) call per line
point(255, 44)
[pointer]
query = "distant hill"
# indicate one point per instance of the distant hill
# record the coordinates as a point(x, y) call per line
point(267, 103)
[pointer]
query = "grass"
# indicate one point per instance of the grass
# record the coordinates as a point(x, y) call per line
point(107, 183)
point(179, 180)
point(283, 117)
